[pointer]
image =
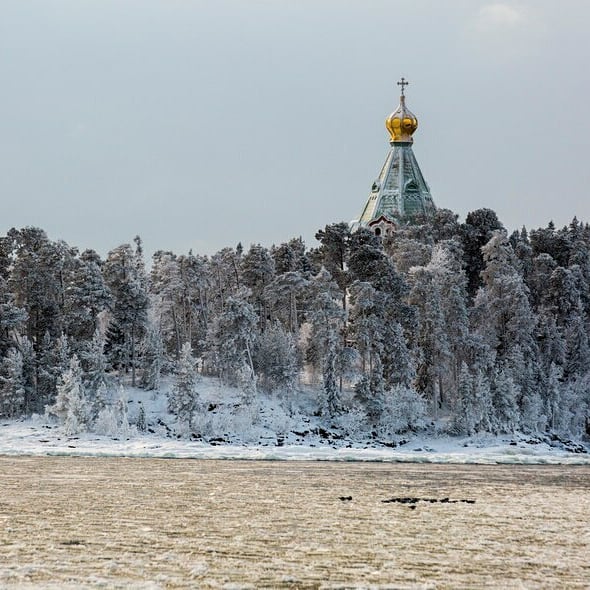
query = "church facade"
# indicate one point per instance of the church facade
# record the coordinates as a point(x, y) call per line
point(400, 193)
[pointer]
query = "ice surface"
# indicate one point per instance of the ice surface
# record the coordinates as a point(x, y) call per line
point(70, 522)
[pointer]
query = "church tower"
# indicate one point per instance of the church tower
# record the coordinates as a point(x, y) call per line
point(400, 192)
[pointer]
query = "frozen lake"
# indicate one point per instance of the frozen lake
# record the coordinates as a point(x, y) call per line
point(74, 522)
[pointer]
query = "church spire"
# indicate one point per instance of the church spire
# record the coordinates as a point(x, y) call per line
point(400, 193)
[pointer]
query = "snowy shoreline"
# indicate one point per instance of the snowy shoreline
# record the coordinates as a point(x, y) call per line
point(32, 438)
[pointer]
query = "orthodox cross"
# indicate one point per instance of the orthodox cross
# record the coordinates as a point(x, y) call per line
point(402, 83)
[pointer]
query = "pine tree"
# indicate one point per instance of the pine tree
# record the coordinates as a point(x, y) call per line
point(225, 277)
point(327, 320)
point(232, 337)
point(86, 296)
point(435, 357)
point(167, 288)
point(334, 252)
point(125, 276)
point(283, 297)
point(37, 280)
point(290, 257)
point(258, 271)
point(477, 231)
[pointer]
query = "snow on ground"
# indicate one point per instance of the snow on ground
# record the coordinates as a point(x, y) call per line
point(281, 431)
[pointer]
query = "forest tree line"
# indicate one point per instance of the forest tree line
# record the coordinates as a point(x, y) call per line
point(488, 330)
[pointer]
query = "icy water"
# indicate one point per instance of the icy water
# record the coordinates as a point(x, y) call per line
point(142, 523)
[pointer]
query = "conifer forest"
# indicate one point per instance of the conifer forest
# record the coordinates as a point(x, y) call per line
point(444, 321)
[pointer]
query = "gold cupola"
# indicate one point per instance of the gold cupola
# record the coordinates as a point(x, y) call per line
point(402, 123)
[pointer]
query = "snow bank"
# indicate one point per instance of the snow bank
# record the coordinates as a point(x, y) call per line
point(33, 437)
point(277, 429)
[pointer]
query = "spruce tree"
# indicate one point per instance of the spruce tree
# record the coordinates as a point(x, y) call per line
point(12, 387)
point(71, 406)
point(183, 398)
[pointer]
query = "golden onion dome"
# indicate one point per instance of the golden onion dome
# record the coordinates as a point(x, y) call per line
point(402, 123)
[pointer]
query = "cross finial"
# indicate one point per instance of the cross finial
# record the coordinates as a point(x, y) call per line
point(403, 84)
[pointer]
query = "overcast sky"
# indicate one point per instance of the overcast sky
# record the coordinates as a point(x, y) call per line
point(199, 124)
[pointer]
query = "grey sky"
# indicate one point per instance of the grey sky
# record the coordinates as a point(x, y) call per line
point(198, 124)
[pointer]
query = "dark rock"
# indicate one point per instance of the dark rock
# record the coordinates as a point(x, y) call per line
point(412, 500)
point(345, 498)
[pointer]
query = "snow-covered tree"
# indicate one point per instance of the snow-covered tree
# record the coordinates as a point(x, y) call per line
point(113, 419)
point(283, 297)
point(291, 257)
point(258, 271)
point(505, 393)
point(152, 356)
point(86, 296)
point(275, 359)
point(477, 231)
point(12, 317)
point(94, 363)
point(231, 339)
point(326, 317)
point(12, 390)
point(71, 406)
point(435, 364)
point(404, 410)
point(125, 276)
point(333, 254)
point(141, 421)
point(183, 398)
point(474, 410)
